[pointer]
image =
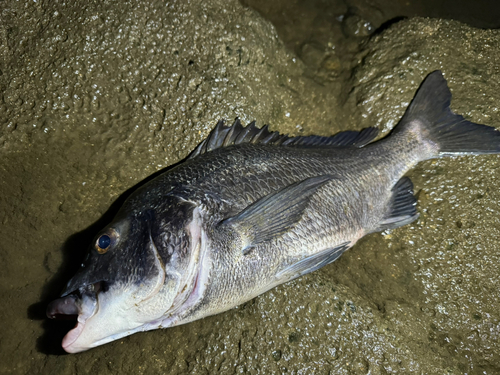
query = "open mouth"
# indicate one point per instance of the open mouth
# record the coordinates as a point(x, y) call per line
point(80, 305)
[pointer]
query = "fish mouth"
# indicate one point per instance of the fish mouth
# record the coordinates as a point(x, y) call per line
point(80, 305)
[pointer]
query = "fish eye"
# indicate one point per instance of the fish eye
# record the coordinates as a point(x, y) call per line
point(104, 241)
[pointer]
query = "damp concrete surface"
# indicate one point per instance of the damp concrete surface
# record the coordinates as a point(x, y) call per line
point(96, 96)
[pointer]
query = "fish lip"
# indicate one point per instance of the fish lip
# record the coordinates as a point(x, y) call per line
point(63, 308)
point(82, 303)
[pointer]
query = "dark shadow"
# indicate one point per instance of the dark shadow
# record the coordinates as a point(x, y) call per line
point(388, 24)
point(74, 250)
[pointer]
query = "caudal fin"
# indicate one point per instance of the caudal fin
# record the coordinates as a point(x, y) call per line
point(449, 133)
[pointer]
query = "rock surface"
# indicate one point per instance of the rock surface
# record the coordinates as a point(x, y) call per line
point(97, 96)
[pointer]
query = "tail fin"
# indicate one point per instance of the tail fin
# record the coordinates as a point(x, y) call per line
point(449, 132)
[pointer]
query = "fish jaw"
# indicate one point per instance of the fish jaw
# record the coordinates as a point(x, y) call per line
point(104, 316)
point(88, 307)
point(113, 315)
point(84, 307)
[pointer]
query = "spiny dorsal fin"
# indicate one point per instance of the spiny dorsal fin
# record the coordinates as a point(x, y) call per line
point(223, 136)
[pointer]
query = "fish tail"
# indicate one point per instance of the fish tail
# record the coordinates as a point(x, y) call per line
point(443, 132)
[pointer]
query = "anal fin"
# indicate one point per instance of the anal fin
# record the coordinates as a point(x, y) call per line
point(402, 209)
point(312, 263)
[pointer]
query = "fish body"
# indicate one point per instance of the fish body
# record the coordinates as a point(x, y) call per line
point(250, 210)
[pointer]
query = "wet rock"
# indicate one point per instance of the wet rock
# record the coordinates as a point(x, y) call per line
point(312, 54)
point(354, 25)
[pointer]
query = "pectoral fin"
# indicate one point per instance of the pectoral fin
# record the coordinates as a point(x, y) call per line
point(312, 263)
point(275, 213)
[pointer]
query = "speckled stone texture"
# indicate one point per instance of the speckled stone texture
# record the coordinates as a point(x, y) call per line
point(97, 96)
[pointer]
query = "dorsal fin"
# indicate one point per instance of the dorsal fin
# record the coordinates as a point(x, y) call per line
point(222, 136)
point(349, 138)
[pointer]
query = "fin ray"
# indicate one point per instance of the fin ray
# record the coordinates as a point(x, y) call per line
point(402, 209)
point(275, 213)
point(312, 263)
point(223, 136)
point(446, 132)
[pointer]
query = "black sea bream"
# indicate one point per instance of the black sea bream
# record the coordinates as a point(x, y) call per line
point(250, 209)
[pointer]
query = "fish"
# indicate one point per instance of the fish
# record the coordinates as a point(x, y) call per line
point(250, 209)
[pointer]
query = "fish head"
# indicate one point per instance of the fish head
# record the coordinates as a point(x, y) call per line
point(140, 269)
